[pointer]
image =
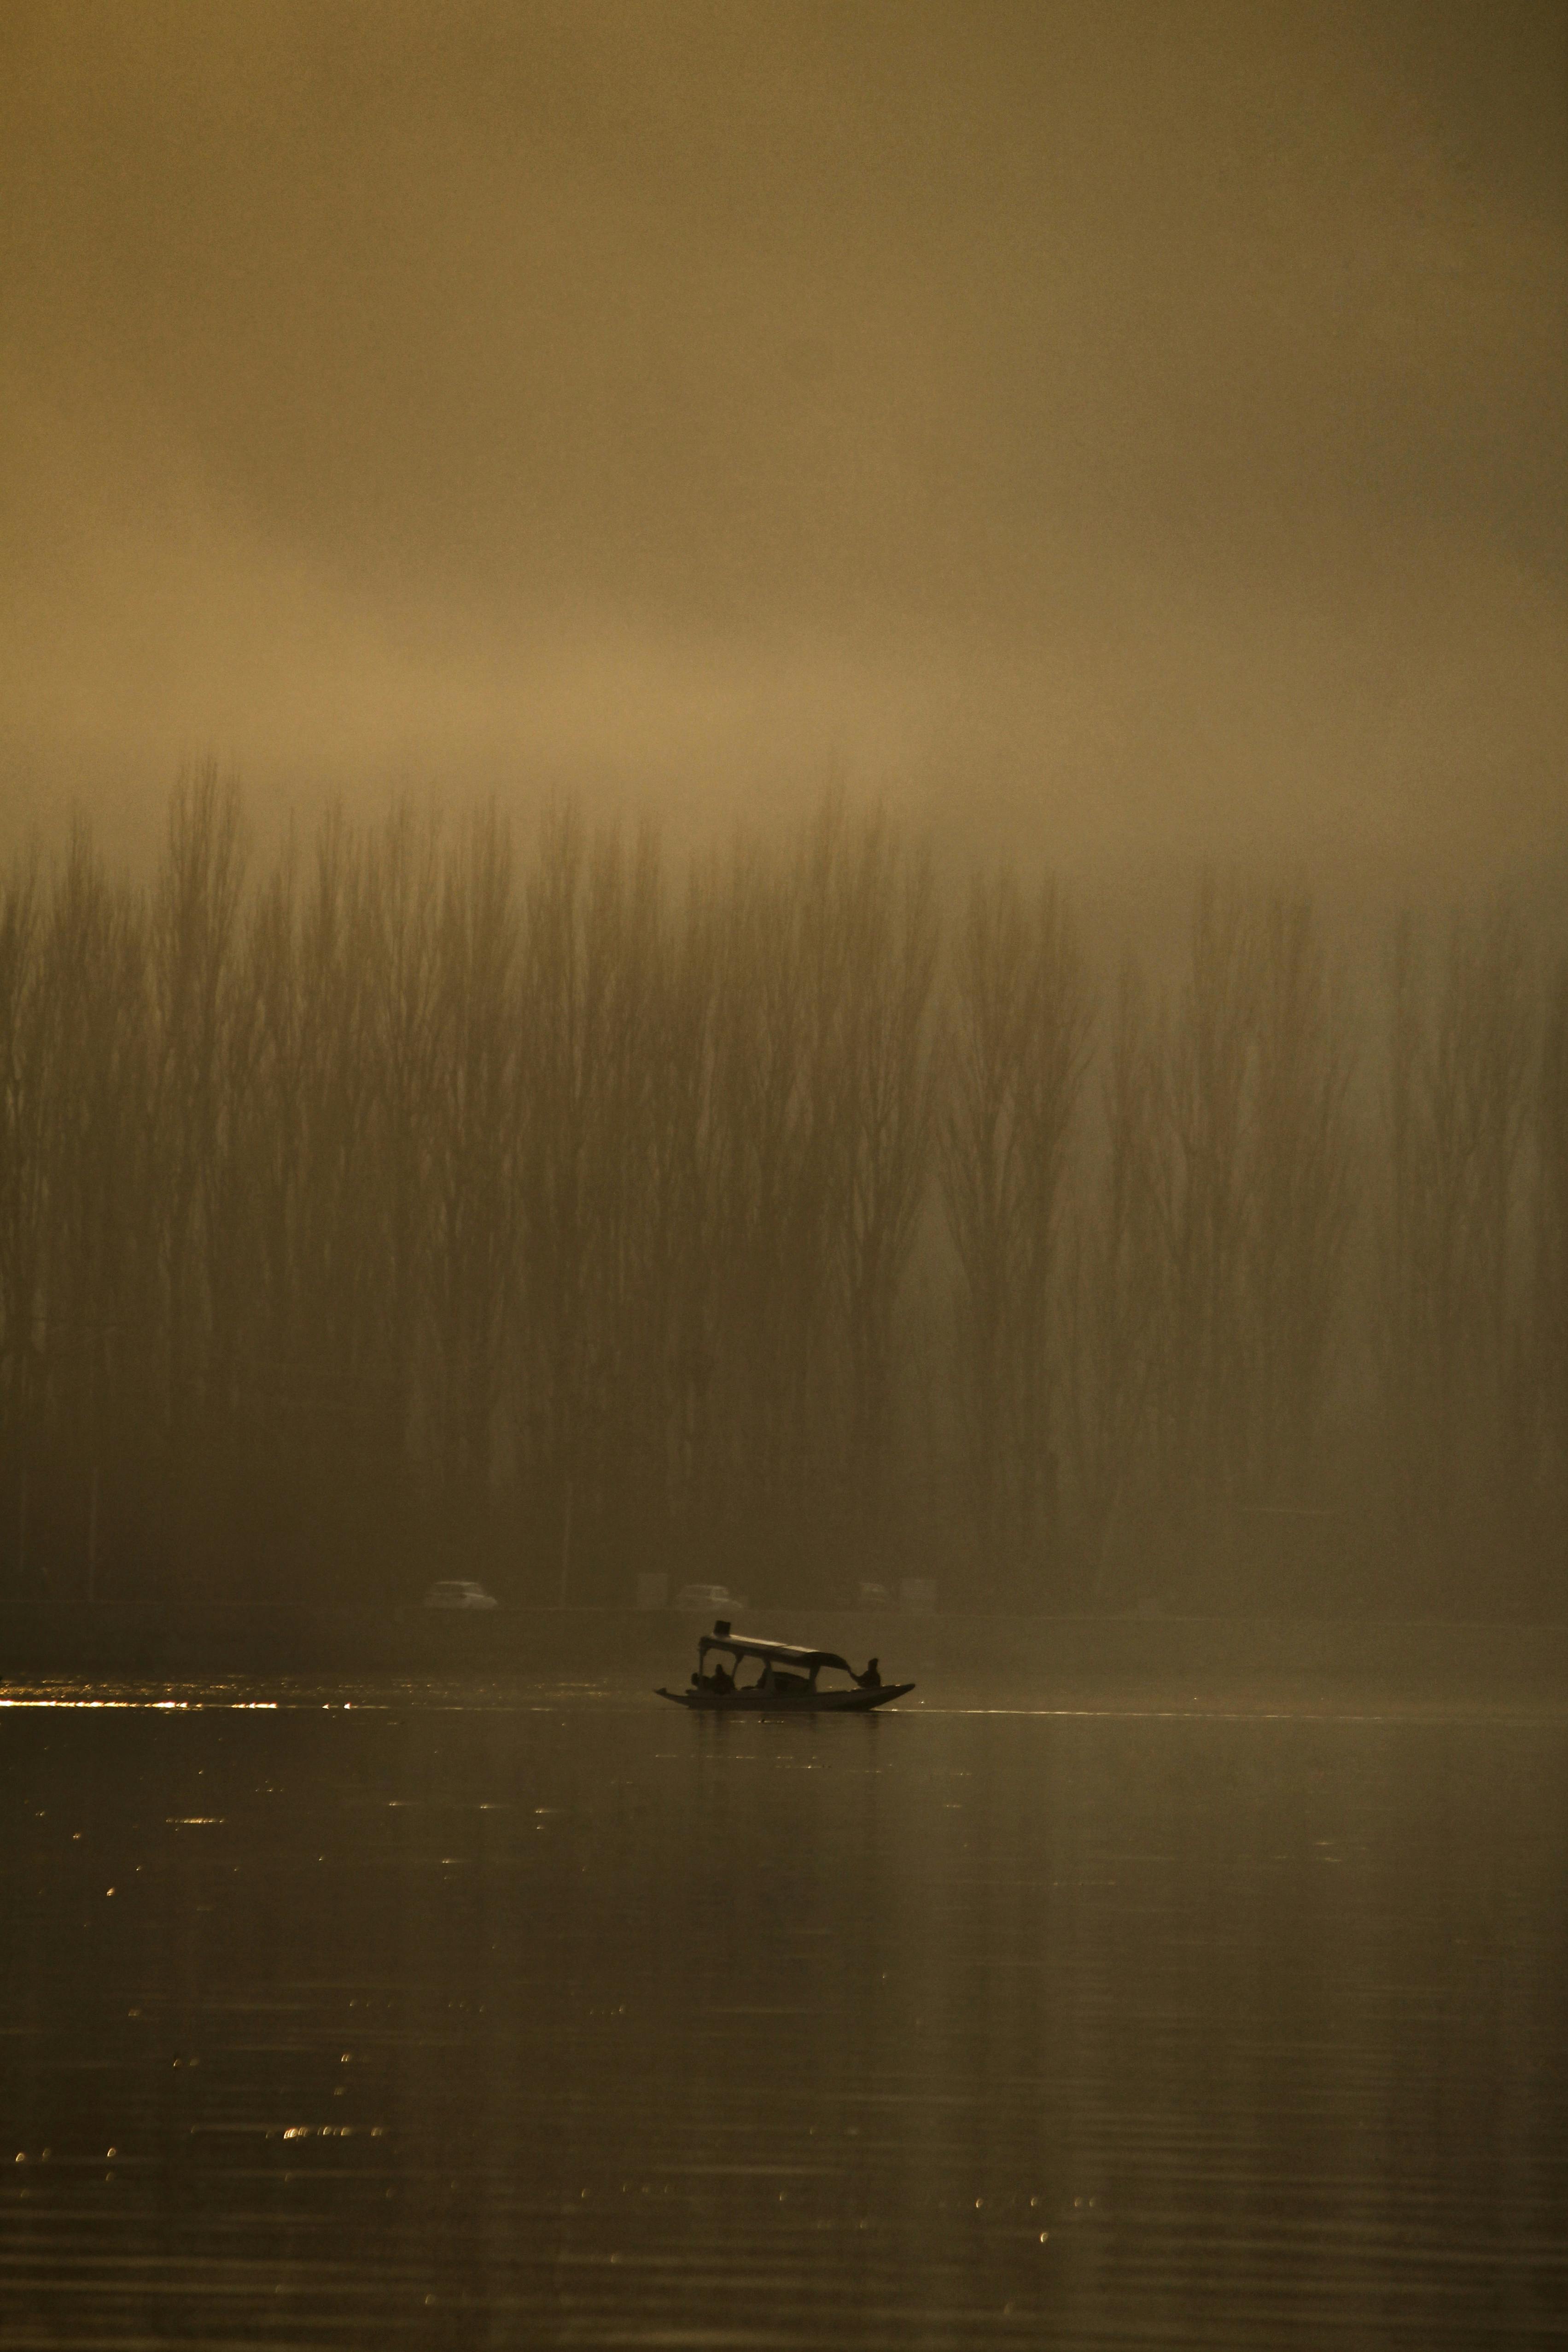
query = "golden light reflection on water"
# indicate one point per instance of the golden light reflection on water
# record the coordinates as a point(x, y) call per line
point(151, 1706)
point(468, 1695)
point(964, 2013)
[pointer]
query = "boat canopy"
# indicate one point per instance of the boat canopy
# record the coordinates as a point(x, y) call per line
point(781, 1653)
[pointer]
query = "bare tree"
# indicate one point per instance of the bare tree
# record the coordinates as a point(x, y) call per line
point(95, 1281)
point(1202, 1195)
point(195, 909)
point(1016, 1049)
point(884, 1073)
point(1118, 1285)
point(1452, 1229)
point(770, 1147)
point(681, 1274)
point(982, 1180)
point(1301, 1196)
point(1551, 1284)
point(473, 1144)
point(324, 1158)
point(26, 1026)
point(1051, 1074)
point(584, 1074)
point(402, 924)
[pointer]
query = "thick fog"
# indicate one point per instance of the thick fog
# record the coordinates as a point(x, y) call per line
point(1131, 435)
point(1040, 479)
point(419, 1195)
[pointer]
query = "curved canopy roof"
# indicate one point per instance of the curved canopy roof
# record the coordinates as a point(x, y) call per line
point(781, 1653)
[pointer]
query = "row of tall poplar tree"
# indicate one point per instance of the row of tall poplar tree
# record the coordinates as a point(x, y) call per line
point(402, 1206)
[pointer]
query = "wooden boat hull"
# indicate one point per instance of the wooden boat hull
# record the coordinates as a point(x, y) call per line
point(755, 1702)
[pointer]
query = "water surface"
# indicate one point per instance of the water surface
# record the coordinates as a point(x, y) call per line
point(511, 2013)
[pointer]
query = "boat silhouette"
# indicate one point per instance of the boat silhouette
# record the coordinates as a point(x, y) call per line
point(785, 1682)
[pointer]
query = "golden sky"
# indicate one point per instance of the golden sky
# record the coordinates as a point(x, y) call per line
point(1129, 429)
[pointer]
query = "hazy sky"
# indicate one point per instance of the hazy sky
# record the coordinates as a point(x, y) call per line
point(1135, 426)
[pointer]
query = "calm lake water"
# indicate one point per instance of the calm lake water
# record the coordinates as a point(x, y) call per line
point(516, 2014)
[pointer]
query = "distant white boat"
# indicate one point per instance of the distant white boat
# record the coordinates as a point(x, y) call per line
point(700, 1598)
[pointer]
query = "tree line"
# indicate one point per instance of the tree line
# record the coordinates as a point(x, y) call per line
point(405, 1204)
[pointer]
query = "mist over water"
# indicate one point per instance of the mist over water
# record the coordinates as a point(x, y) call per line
point(894, 921)
point(541, 2013)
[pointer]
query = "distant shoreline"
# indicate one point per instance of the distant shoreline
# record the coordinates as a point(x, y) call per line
point(1213, 1655)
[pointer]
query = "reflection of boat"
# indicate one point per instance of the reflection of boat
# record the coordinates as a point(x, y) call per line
point(786, 1678)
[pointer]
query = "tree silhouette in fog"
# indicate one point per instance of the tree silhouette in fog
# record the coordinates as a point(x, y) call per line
point(415, 1198)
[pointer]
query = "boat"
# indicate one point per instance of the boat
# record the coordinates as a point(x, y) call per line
point(786, 1678)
